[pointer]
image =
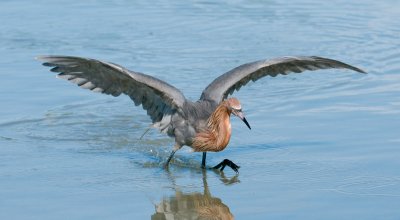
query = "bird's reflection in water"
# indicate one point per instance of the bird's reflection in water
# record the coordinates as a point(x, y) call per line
point(194, 206)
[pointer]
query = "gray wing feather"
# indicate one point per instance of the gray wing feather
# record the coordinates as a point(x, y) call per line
point(233, 80)
point(157, 97)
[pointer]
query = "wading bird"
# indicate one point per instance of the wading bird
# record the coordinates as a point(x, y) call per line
point(203, 125)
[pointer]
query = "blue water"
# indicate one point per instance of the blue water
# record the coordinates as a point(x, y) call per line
point(323, 145)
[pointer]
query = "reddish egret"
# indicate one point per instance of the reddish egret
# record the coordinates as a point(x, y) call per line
point(203, 125)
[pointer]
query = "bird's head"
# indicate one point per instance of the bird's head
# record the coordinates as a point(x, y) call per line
point(236, 109)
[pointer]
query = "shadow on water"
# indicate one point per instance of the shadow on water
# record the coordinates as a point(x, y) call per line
point(194, 205)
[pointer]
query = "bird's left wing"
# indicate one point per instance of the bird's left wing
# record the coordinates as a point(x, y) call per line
point(157, 97)
point(233, 80)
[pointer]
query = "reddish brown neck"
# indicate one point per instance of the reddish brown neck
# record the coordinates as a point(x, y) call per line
point(218, 132)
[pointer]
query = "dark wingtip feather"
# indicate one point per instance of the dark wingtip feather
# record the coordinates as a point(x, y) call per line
point(360, 70)
point(353, 68)
point(48, 64)
point(344, 65)
point(46, 60)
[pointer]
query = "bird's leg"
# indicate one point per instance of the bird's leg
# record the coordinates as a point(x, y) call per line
point(203, 160)
point(176, 148)
point(226, 162)
point(169, 158)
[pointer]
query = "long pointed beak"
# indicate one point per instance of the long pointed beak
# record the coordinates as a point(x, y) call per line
point(247, 123)
point(241, 116)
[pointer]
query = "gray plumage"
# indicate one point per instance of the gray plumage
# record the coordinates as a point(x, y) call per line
point(167, 107)
point(233, 80)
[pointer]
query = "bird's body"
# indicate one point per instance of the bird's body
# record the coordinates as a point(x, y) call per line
point(198, 126)
point(191, 121)
point(203, 125)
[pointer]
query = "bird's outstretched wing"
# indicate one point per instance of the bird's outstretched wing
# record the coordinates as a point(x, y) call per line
point(158, 98)
point(233, 80)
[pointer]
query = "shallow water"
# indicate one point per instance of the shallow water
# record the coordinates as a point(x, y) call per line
point(324, 144)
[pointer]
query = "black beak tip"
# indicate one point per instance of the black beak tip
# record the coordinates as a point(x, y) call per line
point(247, 123)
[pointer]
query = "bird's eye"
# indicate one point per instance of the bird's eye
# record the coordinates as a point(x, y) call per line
point(236, 109)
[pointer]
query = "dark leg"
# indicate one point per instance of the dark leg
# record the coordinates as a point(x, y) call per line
point(170, 157)
point(203, 160)
point(228, 163)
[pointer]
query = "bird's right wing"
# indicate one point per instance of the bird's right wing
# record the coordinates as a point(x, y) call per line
point(158, 98)
point(233, 80)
